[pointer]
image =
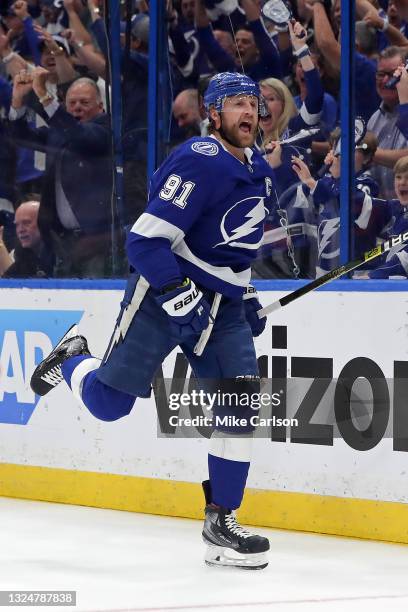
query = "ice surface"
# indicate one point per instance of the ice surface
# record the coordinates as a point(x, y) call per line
point(123, 561)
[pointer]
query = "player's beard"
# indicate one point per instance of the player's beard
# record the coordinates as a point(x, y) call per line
point(233, 137)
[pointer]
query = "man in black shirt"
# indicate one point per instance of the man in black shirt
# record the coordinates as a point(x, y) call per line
point(32, 257)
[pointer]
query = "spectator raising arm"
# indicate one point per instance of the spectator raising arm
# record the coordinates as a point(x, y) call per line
point(181, 47)
point(86, 54)
point(11, 60)
point(220, 59)
point(20, 8)
point(269, 54)
point(372, 18)
point(64, 69)
point(98, 28)
point(366, 99)
point(325, 38)
point(22, 85)
point(389, 157)
point(75, 23)
point(94, 10)
point(311, 109)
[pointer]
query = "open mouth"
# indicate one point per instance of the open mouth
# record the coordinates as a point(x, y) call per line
point(245, 126)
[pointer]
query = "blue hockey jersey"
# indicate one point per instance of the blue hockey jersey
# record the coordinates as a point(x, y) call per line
point(394, 218)
point(326, 199)
point(204, 218)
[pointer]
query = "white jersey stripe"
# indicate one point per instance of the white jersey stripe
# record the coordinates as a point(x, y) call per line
point(150, 226)
point(365, 213)
point(307, 117)
point(224, 273)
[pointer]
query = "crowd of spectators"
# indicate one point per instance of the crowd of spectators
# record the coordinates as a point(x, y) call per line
point(56, 140)
point(58, 193)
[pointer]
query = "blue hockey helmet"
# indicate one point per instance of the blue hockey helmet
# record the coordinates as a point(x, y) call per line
point(227, 84)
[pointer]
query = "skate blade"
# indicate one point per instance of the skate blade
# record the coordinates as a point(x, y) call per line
point(226, 557)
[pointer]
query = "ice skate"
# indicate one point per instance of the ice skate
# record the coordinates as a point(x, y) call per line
point(229, 544)
point(47, 374)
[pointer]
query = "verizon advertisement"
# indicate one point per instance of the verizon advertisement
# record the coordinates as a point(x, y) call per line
point(331, 413)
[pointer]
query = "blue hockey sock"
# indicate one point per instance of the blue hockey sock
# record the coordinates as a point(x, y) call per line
point(228, 464)
point(104, 402)
point(227, 480)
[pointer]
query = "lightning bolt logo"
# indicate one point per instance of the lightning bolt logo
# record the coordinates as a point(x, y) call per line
point(127, 314)
point(327, 229)
point(254, 217)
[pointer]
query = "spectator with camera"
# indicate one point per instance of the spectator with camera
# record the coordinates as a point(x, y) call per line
point(392, 144)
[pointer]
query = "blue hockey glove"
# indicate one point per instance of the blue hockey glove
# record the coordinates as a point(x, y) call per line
point(187, 308)
point(252, 305)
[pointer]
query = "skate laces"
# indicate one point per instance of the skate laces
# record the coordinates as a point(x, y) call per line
point(53, 376)
point(235, 528)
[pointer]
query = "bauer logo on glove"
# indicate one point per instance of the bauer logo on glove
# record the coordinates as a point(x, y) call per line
point(187, 308)
point(178, 307)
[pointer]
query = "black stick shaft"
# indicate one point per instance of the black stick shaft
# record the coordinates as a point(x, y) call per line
point(333, 274)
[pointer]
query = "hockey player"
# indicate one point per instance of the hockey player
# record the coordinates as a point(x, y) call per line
point(200, 232)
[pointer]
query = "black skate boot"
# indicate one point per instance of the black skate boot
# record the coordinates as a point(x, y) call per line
point(229, 544)
point(47, 374)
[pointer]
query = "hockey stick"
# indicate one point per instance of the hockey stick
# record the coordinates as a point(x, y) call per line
point(202, 342)
point(336, 273)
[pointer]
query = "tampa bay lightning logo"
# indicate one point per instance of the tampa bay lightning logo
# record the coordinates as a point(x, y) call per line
point(244, 220)
point(205, 148)
point(328, 238)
